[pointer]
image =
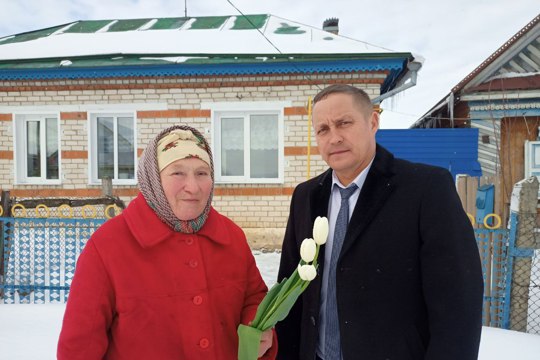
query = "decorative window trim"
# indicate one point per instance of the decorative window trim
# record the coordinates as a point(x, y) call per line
point(19, 153)
point(246, 108)
point(92, 144)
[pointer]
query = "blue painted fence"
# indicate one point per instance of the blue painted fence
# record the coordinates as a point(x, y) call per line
point(39, 257)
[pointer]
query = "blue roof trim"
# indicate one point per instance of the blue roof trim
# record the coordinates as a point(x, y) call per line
point(309, 67)
point(499, 114)
point(498, 109)
point(532, 102)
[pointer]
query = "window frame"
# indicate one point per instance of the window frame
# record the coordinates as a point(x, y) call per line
point(20, 147)
point(245, 109)
point(92, 145)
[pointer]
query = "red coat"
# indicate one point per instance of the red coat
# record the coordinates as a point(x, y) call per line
point(143, 291)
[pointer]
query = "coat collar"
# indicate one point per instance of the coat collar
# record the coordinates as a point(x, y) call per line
point(320, 195)
point(149, 230)
point(377, 187)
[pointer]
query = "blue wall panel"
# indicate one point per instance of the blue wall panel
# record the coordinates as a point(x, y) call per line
point(452, 149)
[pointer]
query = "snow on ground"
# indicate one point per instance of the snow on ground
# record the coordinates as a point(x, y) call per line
point(30, 332)
point(268, 263)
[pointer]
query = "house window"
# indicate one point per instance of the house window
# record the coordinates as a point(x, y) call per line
point(37, 147)
point(113, 148)
point(248, 146)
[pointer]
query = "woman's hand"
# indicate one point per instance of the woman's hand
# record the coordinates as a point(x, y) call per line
point(266, 342)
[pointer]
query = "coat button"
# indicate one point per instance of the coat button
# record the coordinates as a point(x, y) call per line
point(193, 263)
point(189, 241)
point(204, 343)
point(197, 300)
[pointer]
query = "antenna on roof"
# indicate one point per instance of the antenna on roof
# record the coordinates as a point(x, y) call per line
point(185, 8)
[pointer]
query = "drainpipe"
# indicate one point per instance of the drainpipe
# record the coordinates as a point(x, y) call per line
point(413, 67)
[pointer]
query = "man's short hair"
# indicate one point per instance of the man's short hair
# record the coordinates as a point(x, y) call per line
point(360, 97)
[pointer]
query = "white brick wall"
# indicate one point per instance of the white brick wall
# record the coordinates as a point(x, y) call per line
point(247, 211)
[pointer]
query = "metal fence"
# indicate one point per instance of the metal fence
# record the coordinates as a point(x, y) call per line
point(492, 244)
point(39, 257)
point(84, 208)
point(511, 277)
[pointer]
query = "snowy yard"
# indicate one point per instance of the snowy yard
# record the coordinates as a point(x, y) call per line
point(31, 331)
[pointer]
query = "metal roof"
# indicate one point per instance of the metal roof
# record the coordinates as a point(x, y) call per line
point(41, 71)
point(252, 34)
point(212, 45)
point(519, 57)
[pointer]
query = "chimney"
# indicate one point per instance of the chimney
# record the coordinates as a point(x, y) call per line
point(331, 25)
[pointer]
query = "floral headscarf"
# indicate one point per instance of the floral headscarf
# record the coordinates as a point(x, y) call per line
point(148, 174)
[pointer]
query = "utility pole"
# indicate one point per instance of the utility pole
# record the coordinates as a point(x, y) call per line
point(185, 8)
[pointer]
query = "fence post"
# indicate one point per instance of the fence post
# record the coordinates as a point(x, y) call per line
point(466, 187)
point(4, 202)
point(106, 186)
point(521, 243)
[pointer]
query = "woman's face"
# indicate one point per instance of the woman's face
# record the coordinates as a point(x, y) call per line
point(187, 184)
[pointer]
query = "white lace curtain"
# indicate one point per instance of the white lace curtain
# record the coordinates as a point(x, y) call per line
point(263, 133)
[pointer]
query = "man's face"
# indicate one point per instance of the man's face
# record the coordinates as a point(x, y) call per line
point(345, 135)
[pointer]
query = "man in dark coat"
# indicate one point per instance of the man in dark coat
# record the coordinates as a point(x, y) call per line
point(407, 281)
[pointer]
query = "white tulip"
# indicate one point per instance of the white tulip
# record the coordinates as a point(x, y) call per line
point(320, 230)
point(308, 250)
point(307, 272)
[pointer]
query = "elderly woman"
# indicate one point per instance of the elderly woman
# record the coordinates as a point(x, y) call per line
point(169, 278)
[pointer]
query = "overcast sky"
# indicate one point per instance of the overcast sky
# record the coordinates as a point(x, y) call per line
point(454, 37)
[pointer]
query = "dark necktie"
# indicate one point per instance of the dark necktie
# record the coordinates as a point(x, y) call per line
point(332, 346)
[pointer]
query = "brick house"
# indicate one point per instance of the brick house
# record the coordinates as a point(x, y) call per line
point(80, 101)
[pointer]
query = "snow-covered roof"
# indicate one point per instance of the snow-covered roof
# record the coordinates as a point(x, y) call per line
point(516, 60)
point(193, 46)
point(519, 56)
point(180, 39)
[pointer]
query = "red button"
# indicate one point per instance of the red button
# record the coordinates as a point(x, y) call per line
point(189, 241)
point(204, 343)
point(197, 300)
point(193, 263)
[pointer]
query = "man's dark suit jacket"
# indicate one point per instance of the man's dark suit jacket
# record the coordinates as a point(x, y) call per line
point(409, 279)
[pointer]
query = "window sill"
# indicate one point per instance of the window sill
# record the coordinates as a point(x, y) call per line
point(39, 182)
point(249, 182)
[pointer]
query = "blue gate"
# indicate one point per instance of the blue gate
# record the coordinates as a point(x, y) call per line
point(498, 252)
point(39, 257)
point(493, 247)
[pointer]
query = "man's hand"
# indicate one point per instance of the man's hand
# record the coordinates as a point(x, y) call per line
point(266, 342)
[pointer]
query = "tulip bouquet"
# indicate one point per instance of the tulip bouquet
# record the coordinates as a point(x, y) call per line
point(282, 296)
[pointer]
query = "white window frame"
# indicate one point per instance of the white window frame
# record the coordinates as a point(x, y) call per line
point(92, 146)
point(532, 160)
point(20, 149)
point(232, 109)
